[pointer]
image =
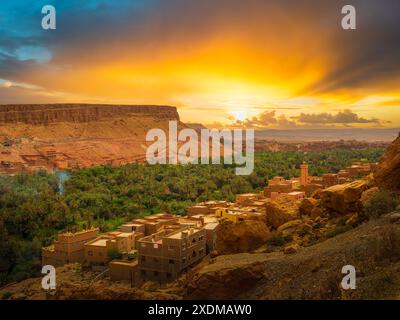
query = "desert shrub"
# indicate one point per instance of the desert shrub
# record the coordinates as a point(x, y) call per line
point(288, 238)
point(338, 230)
point(380, 203)
point(276, 240)
point(6, 295)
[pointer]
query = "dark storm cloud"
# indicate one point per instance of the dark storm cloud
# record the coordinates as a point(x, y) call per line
point(81, 26)
point(369, 56)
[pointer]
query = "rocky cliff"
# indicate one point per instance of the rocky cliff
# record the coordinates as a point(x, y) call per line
point(387, 173)
point(37, 114)
point(63, 136)
point(350, 197)
point(344, 198)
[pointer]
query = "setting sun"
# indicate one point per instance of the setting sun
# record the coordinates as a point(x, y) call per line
point(239, 115)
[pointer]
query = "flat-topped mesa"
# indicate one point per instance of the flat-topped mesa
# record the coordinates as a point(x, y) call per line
point(42, 114)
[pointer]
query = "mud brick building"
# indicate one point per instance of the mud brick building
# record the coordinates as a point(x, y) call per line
point(164, 255)
point(97, 250)
point(68, 248)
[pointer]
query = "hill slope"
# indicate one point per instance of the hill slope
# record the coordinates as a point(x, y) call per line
point(312, 273)
point(76, 135)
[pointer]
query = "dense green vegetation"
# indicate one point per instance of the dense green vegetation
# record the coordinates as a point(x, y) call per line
point(32, 210)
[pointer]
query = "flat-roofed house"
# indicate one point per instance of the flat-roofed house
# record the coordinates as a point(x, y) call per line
point(247, 197)
point(198, 209)
point(164, 255)
point(68, 248)
point(154, 222)
point(296, 195)
point(123, 270)
point(97, 251)
point(133, 227)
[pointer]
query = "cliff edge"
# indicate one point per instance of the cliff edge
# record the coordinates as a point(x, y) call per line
point(67, 136)
point(43, 114)
point(387, 173)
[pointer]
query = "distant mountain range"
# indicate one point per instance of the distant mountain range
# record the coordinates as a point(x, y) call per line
point(301, 135)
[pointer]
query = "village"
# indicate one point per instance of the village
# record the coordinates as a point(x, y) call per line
point(161, 247)
point(30, 155)
point(21, 155)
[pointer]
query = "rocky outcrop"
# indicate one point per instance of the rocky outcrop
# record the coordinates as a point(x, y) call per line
point(312, 272)
point(281, 211)
point(226, 277)
point(368, 194)
point(387, 174)
point(36, 114)
point(243, 236)
point(307, 206)
point(344, 198)
point(311, 207)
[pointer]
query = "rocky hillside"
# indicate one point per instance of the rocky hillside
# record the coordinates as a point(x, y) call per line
point(76, 135)
point(388, 171)
point(293, 252)
point(313, 272)
point(73, 283)
point(338, 233)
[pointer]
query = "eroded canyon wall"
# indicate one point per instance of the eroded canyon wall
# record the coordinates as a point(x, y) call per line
point(63, 136)
point(37, 114)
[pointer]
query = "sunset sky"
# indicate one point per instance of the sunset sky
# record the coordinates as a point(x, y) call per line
point(253, 63)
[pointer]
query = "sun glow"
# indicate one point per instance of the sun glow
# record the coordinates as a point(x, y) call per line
point(239, 115)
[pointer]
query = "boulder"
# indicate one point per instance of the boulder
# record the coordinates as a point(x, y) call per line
point(290, 249)
point(316, 212)
point(306, 228)
point(289, 225)
point(227, 277)
point(280, 211)
point(307, 205)
point(243, 236)
point(214, 254)
point(367, 195)
point(395, 217)
point(344, 198)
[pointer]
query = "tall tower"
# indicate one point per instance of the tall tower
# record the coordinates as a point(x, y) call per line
point(304, 174)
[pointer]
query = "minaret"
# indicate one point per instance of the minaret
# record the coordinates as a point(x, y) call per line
point(304, 174)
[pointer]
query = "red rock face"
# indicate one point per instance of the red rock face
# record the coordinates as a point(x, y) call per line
point(62, 136)
point(50, 113)
point(387, 173)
